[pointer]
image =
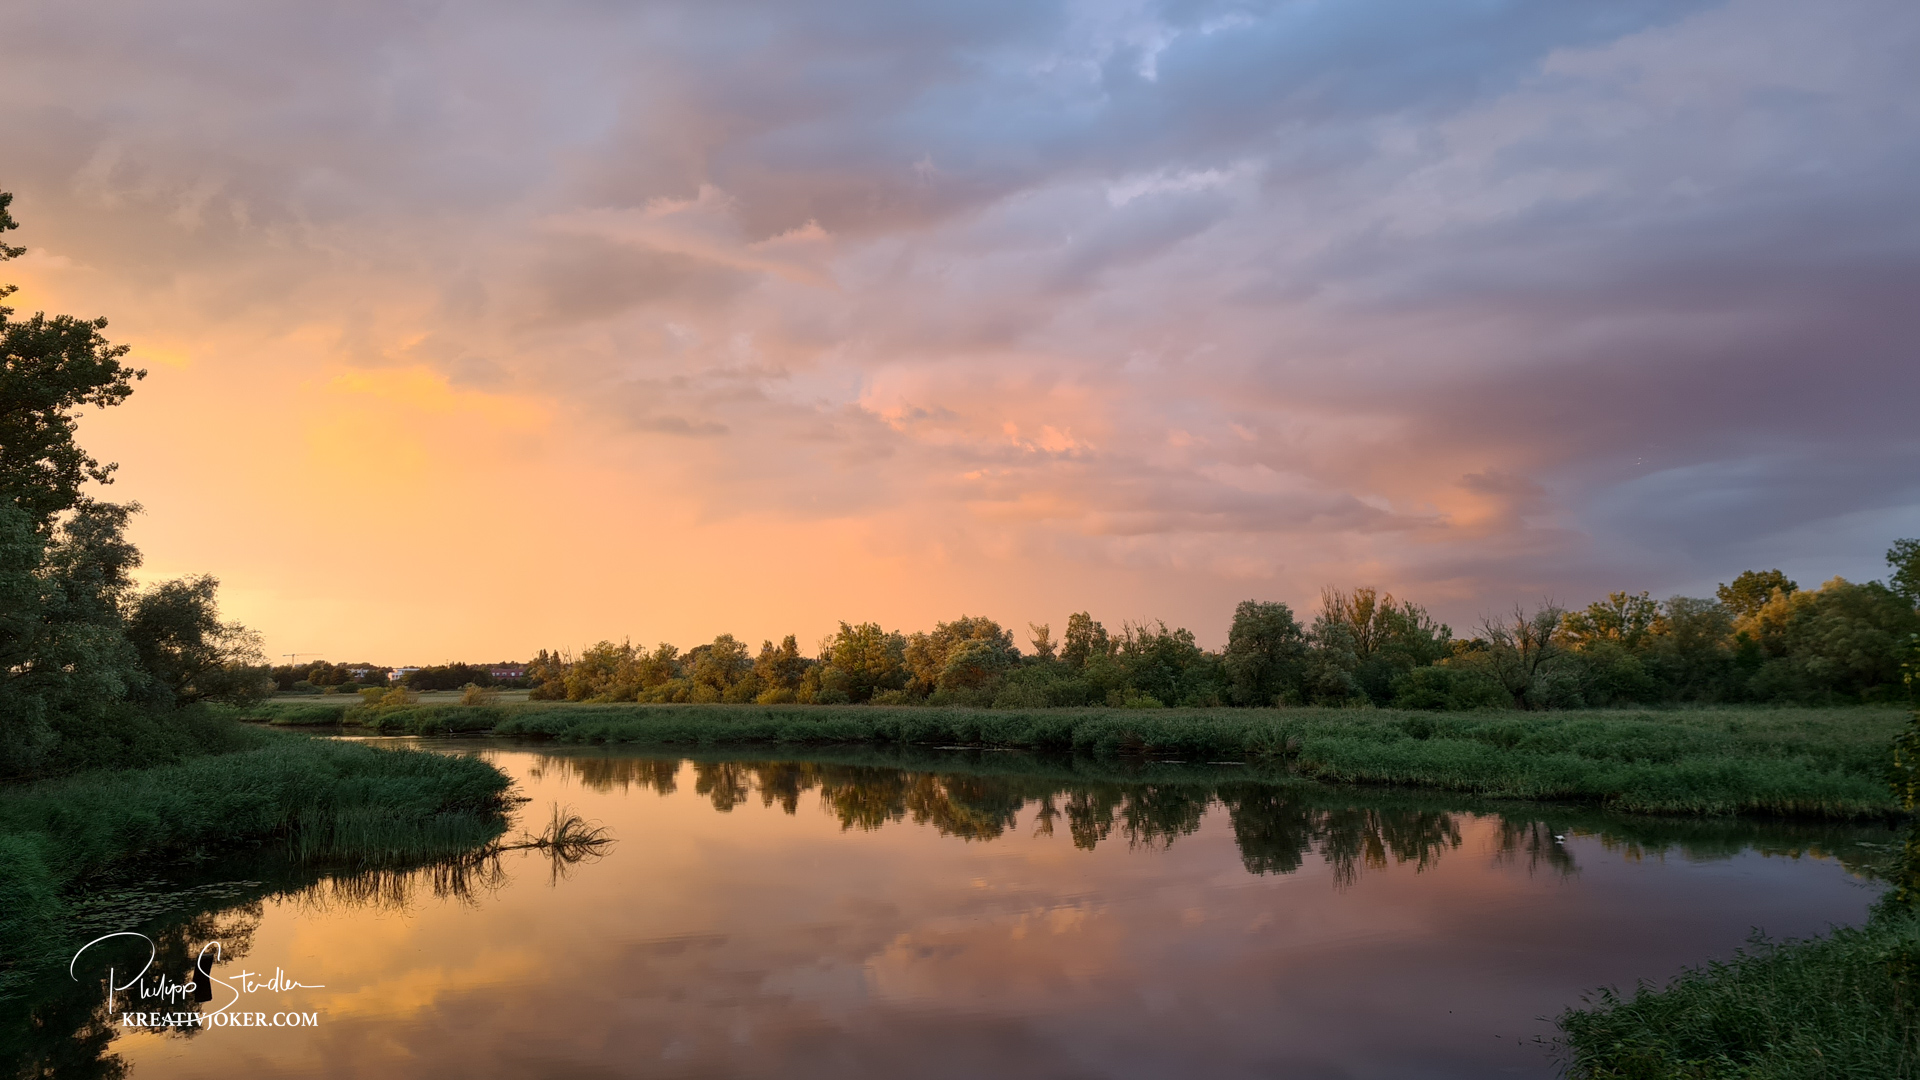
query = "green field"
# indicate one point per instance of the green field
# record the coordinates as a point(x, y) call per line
point(1782, 761)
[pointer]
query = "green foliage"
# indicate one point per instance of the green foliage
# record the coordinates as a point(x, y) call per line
point(1841, 642)
point(89, 666)
point(1458, 689)
point(960, 662)
point(862, 661)
point(49, 369)
point(175, 629)
point(715, 670)
point(1763, 640)
point(1751, 590)
point(322, 674)
point(1266, 654)
point(1166, 666)
point(1362, 642)
point(1785, 762)
point(1842, 1006)
point(780, 672)
point(1904, 558)
point(1086, 641)
point(1691, 653)
point(1623, 619)
point(1525, 654)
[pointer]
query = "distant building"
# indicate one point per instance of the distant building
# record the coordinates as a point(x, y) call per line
point(399, 673)
point(508, 671)
point(359, 672)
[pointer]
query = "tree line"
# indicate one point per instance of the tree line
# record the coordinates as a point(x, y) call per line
point(1760, 639)
point(321, 676)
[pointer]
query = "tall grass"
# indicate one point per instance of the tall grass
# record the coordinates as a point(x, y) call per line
point(1843, 1006)
point(325, 801)
point(1791, 762)
point(1794, 762)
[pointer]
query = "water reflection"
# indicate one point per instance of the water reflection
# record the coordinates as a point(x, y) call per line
point(833, 901)
point(60, 1028)
point(1276, 823)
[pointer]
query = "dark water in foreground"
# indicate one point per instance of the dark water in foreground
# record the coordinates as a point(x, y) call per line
point(990, 915)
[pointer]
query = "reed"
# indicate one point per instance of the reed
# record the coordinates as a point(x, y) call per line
point(323, 801)
point(1822, 763)
point(1846, 1005)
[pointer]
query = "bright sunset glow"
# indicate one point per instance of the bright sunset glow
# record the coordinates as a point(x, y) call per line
point(478, 329)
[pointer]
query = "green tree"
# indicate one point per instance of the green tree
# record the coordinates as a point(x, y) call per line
point(1846, 641)
point(547, 672)
point(1364, 640)
point(50, 368)
point(1085, 640)
point(1044, 648)
point(1522, 653)
point(1623, 618)
point(861, 661)
point(89, 667)
point(780, 671)
point(1168, 667)
point(1691, 649)
point(607, 672)
point(1751, 590)
point(176, 630)
point(720, 669)
point(965, 657)
point(1904, 557)
point(1266, 650)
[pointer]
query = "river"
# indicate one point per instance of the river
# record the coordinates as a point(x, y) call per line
point(988, 915)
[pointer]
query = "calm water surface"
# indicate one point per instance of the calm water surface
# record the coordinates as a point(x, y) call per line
point(988, 915)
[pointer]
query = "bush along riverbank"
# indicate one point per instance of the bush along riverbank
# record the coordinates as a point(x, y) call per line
point(1827, 763)
point(325, 802)
point(1846, 1005)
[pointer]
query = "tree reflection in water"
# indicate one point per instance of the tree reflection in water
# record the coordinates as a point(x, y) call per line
point(1277, 824)
point(60, 1029)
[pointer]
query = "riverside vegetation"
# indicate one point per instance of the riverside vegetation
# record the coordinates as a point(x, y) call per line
point(1792, 762)
point(1847, 1005)
point(113, 755)
point(1762, 639)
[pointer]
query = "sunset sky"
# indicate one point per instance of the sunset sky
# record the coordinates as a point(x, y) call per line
point(479, 328)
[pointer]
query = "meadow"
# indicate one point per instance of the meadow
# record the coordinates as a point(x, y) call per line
point(1799, 762)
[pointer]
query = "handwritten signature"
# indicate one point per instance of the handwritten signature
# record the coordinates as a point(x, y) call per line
point(171, 991)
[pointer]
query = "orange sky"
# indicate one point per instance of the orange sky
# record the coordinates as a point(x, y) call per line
point(471, 334)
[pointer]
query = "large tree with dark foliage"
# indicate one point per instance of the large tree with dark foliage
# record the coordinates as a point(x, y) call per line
point(91, 669)
point(50, 367)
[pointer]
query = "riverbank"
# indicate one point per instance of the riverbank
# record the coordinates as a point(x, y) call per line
point(1837, 1006)
point(327, 802)
point(1821, 763)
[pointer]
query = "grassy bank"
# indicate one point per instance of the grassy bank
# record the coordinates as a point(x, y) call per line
point(1796, 762)
point(1846, 1005)
point(325, 802)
